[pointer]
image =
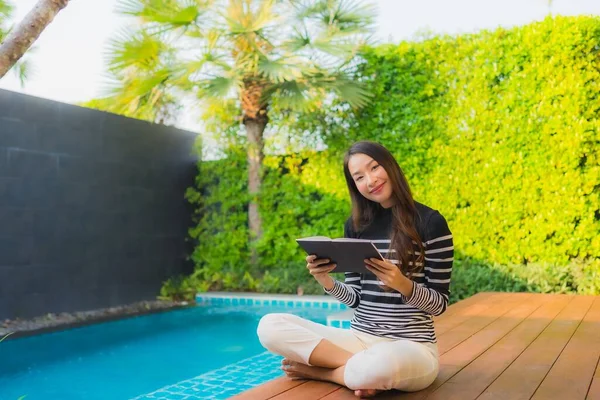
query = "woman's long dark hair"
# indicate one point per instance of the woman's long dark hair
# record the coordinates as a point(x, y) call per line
point(404, 211)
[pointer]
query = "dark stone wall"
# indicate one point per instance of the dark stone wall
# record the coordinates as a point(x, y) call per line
point(92, 208)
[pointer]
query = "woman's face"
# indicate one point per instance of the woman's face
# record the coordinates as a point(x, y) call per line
point(371, 179)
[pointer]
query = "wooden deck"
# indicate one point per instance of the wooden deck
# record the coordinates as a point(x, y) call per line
point(496, 346)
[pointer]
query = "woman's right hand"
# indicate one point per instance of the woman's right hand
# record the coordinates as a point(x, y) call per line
point(320, 268)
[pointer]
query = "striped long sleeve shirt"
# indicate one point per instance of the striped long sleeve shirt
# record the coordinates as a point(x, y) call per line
point(390, 313)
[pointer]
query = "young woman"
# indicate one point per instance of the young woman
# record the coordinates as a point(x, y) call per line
point(391, 343)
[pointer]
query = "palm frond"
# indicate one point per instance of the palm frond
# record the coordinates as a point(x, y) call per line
point(143, 96)
point(337, 28)
point(188, 73)
point(213, 37)
point(220, 87)
point(137, 85)
point(345, 15)
point(296, 41)
point(353, 92)
point(341, 49)
point(130, 7)
point(353, 16)
point(294, 95)
point(138, 49)
point(6, 10)
point(278, 70)
point(242, 18)
point(23, 70)
point(265, 16)
point(175, 13)
point(305, 9)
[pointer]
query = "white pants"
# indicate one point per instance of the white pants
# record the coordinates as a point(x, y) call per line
point(378, 363)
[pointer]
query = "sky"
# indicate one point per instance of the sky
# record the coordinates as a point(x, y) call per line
point(69, 57)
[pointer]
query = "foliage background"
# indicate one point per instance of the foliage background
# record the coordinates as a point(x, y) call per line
point(498, 130)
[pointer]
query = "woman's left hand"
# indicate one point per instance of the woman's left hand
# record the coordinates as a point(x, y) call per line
point(390, 275)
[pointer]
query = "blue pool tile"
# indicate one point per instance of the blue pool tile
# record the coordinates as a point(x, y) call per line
point(234, 302)
point(177, 396)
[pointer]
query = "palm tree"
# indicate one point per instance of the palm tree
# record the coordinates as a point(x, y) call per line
point(18, 40)
point(252, 56)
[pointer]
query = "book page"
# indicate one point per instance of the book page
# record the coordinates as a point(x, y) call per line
point(316, 238)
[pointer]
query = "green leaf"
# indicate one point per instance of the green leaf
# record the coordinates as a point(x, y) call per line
point(278, 70)
point(219, 87)
point(169, 12)
point(139, 49)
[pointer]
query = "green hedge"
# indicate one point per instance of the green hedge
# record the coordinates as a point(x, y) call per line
point(497, 130)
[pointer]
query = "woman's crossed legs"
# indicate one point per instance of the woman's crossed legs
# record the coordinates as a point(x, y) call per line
point(315, 351)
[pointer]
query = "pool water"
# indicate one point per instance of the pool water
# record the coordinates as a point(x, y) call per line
point(128, 358)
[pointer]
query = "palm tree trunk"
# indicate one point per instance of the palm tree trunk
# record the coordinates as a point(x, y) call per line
point(254, 131)
point(255, 120)
point(22, 37)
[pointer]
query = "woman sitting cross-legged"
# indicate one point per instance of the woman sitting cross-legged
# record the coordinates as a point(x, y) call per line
point(391, 343)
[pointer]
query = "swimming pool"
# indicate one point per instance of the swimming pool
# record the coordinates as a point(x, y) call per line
point(138, 357)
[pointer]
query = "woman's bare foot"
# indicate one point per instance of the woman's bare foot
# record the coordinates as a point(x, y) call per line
point(365, 393)
point(296, 370)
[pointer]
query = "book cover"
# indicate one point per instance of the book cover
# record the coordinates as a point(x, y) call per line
point(349, 254)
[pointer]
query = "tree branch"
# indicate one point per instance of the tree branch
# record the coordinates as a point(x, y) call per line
point(26, 33)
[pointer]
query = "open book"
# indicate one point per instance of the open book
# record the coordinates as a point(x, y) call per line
point(349, 254)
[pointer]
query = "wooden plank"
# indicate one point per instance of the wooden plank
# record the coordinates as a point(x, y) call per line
point(471, 381)
point(474, 346)
point(341, 394)
point(310, 390)
point(270, 389)
point(594, 392)
point(446, 372)
point(522, 378)
point(477, 322)
point(462, 304)
point(572, 374)
point(444, 323)
point(452, 361)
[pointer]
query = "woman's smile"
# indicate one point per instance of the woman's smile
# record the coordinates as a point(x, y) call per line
point(377, 189)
